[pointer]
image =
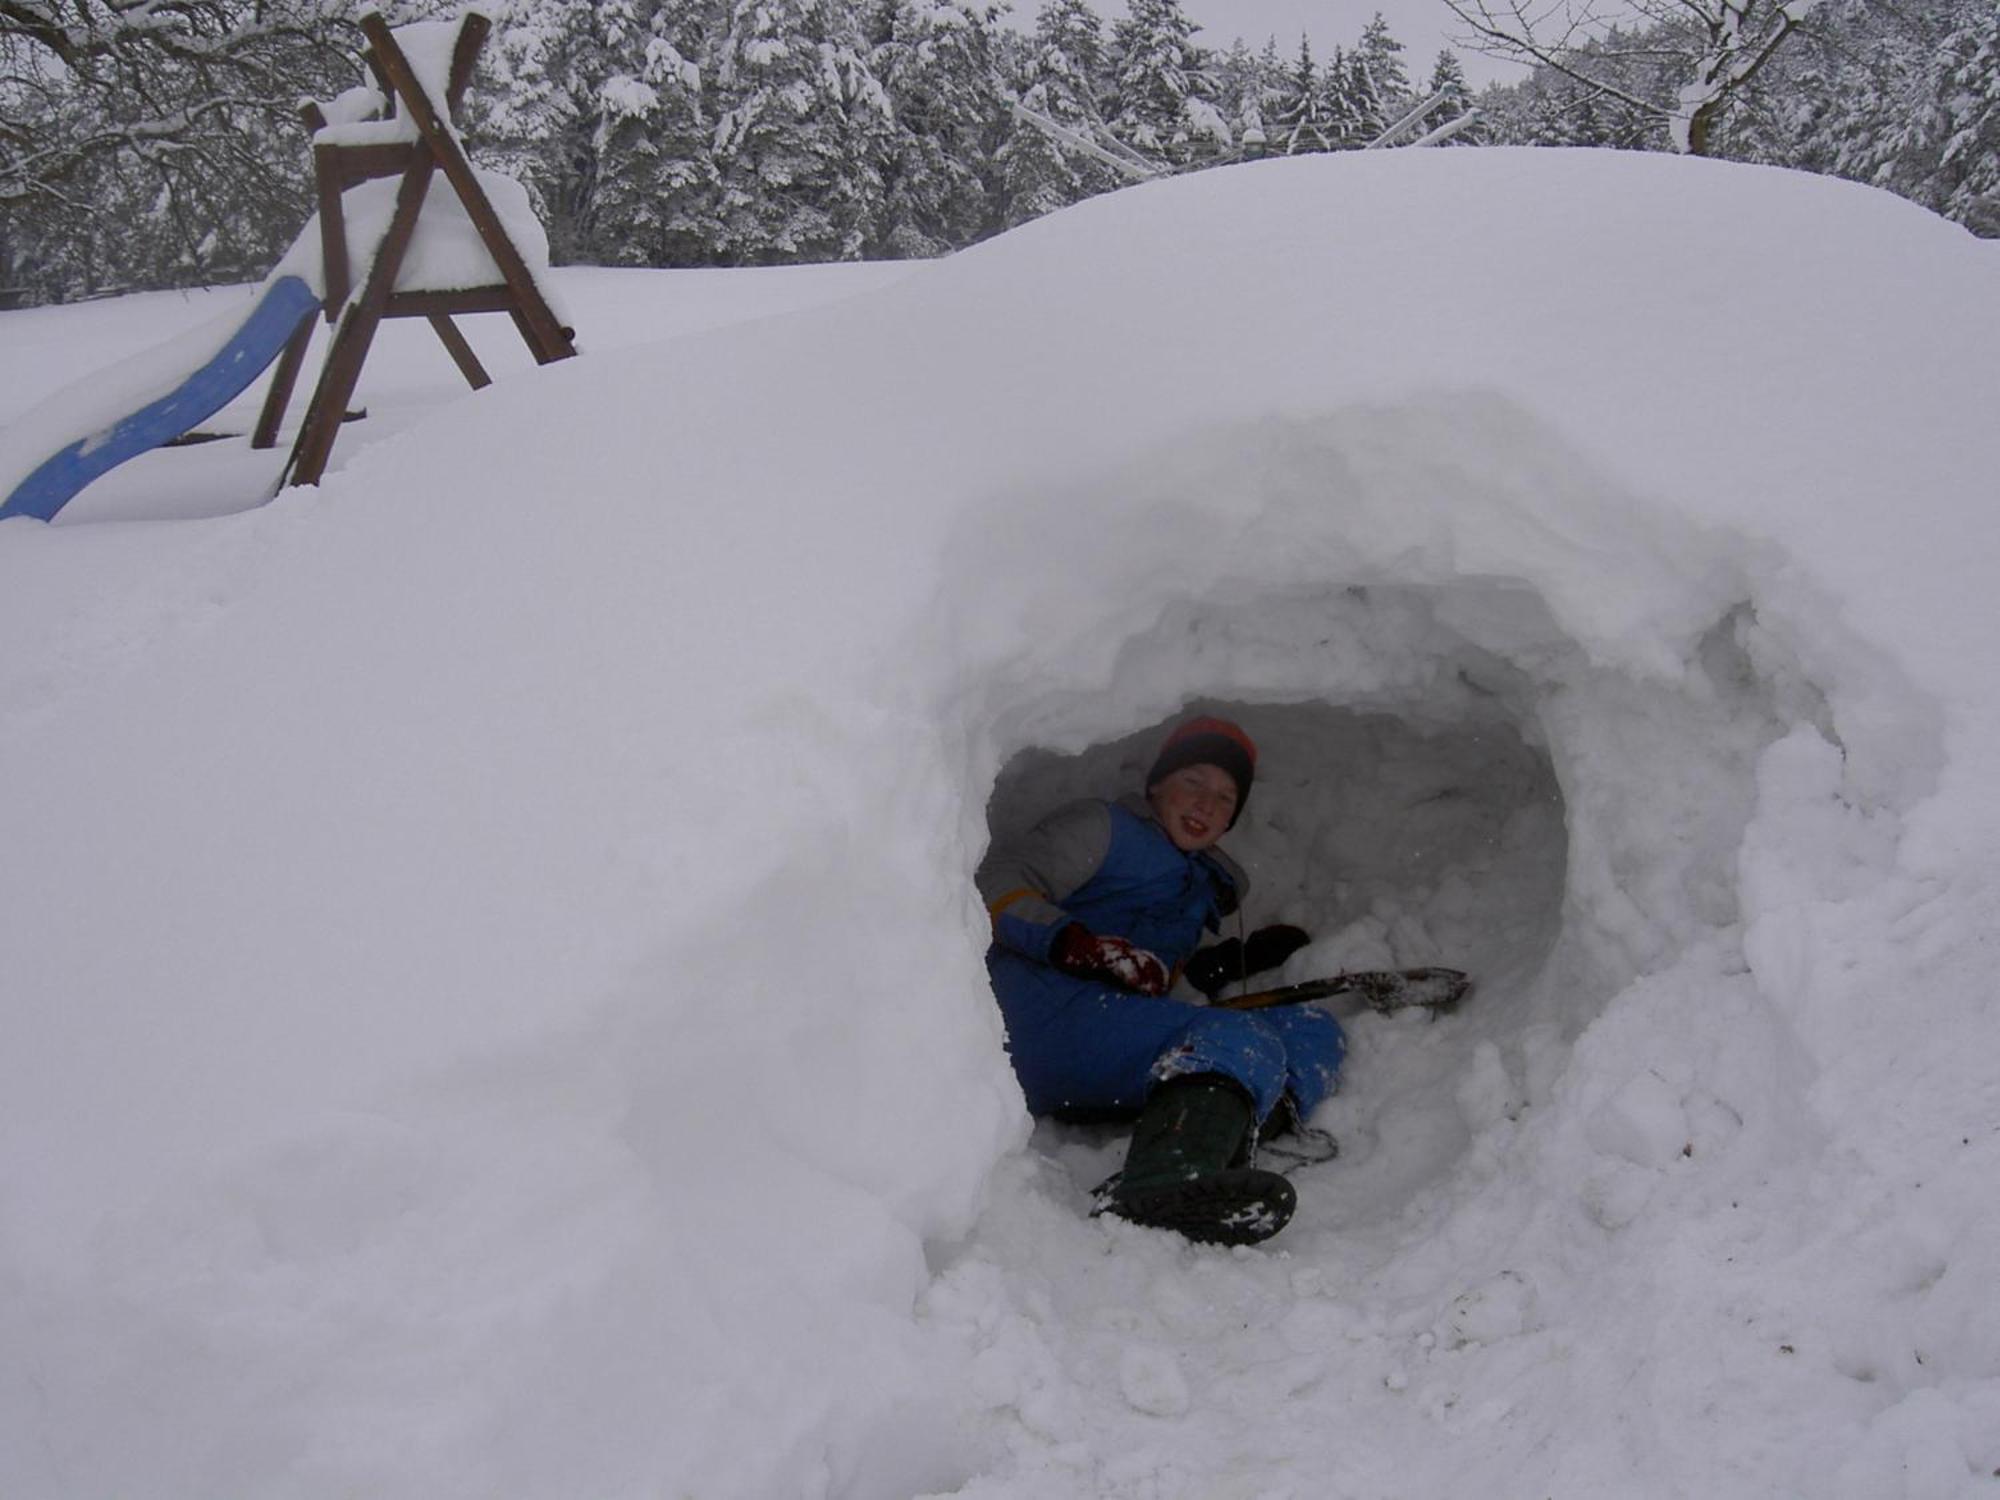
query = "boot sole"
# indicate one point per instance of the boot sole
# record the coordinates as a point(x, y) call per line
point(1240, 1206)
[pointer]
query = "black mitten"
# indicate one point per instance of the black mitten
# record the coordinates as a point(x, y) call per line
point(1270, 946)
point(1216, 967)
point(1222, 964)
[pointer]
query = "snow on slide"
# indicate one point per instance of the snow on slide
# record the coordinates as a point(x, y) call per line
point(98, 424)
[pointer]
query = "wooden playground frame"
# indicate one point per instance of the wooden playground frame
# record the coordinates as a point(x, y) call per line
point(338, 167)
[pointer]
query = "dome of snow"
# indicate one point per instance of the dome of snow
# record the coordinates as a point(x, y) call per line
point(496, 993)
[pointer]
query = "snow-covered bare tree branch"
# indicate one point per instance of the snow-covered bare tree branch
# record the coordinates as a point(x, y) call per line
point(175, 122)
point(1714, 47)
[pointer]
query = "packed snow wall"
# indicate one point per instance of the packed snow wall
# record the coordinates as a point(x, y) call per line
point(1512, 717)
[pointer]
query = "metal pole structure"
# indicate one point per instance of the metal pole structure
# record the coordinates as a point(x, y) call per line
point(1447, 130)
point(1136, 170)
point(1413, 117)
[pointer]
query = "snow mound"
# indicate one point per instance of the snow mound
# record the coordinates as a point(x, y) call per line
point(496, 1003)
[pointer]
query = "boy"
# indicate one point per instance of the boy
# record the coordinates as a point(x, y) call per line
point(1095, 912)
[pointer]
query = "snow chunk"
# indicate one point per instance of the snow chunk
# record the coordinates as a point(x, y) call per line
point(350, 107)
point(445, 254)
point(624, 95)
point(1643, 1123)
point(1152, 1381)
point(1487, 1093)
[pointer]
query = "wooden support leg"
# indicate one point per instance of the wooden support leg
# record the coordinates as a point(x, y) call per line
point(336, 279)
point(460, 351)
point(527, 334)
point(547, 347)
point(282, 380)
point(342, 371)
point(338, 377)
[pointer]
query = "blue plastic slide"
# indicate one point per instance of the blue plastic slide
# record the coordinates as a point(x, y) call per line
point(286, 302)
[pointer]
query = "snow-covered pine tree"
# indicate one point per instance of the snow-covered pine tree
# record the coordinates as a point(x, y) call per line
point(1383, 54)
point(937, 61)
point(543, 121)
point(1245, 95)
point(658, 185)
point(1368, 110)
point(1883, 96)
point(1303, 120)
point(1165, 97)
point(1341, 120)
point(1058, 80)
point(1558, 108)
point(802, 129)
point(1968, 185)
point(1846, 96)
point(1271, 73)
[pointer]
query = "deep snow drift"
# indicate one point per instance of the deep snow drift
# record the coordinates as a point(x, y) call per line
point(494, 999)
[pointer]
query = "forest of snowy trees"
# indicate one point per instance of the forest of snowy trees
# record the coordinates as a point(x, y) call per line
point(686, 133)
point(144, 146)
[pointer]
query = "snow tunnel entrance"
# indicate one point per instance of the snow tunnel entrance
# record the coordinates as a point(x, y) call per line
point(1447, 775)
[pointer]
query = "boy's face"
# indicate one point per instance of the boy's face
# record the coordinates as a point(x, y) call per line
point(1194, 805)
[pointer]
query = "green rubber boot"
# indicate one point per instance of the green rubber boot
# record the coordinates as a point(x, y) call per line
point(1178, 1173)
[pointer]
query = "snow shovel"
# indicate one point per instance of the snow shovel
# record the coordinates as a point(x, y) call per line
point(1385, 990)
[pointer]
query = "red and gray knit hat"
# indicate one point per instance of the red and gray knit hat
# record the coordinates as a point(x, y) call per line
point(1209, 742)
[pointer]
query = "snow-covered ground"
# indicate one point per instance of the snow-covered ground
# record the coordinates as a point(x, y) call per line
point(493, 1001)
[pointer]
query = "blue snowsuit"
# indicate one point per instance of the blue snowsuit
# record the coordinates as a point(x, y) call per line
point(1083, 1046)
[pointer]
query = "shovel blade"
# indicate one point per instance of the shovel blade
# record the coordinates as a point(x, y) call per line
point(1413, 989)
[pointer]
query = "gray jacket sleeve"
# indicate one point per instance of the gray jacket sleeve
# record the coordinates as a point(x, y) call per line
point(1021, 879)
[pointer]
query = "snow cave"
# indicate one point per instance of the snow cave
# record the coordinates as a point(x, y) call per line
point(1450, 775)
